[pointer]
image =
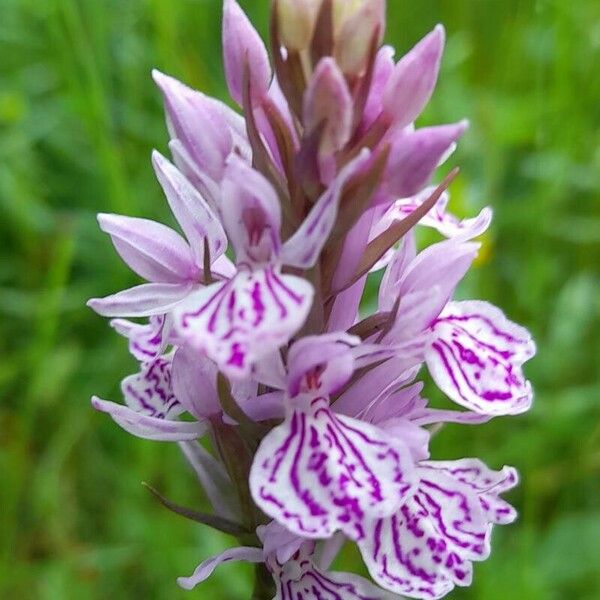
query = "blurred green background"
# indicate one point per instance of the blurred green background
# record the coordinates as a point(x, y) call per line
point(78, 118)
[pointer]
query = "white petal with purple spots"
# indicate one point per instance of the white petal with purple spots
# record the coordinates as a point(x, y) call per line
point(426, 548)
point(318, 472)
point(475, 358)
point(237, 322)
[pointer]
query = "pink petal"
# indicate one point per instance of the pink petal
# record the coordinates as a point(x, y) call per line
point(152, 250)
point(328, 102)
point(205, 570)
point(240, 321)
point(195, 383)
point(317, 473)
point(199, 122)
point(251, 213)
point(303, 248)
point(415, 155)
point(414, 78)
point(384, 67)
point(147, 427)
point(143, 300)
point(195, 216)
point(476, 358)
point(243, 46)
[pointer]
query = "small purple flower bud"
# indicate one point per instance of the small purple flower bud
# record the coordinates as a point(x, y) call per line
point(328, 103)
point(243, 48)
point(414, 79)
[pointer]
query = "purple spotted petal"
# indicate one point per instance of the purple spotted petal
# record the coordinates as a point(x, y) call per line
point(487, 483)
point(301, 580)
point(198, 221)
point(146, 341)
point(237, 322)
point(147, 427)
point(317, 473)
point(205, 570)
point(426, 548)
point(152, 250)
point(303, 248)
point(144, 300)
point(476, 356)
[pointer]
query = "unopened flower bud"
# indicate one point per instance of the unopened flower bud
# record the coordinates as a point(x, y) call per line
point(356, 24)
point(297, 22)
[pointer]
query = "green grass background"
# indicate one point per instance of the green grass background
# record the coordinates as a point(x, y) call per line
point(78, 118)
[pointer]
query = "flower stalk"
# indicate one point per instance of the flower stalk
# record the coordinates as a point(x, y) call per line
point(252, 335)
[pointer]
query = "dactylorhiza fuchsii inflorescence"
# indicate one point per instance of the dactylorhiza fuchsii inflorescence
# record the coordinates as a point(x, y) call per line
point(314, 429)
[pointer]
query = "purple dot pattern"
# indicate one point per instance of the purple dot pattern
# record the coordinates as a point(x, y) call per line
point(426, 548)
point(150, 392)
point(318, 472)
point(476, 356)
point(239, 321)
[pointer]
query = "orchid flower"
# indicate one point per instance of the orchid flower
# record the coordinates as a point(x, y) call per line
point(315, 431)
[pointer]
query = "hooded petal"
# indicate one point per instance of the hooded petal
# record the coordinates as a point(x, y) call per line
point(415, 155)
point(303, 248)
point(152, 250)
point(476, 356)
point(317, 472)
point(146, 341)
point(243, 46)
point(198, 221)
point(239, 321)
point(322, 363)
point(328, 104)
point(143, 300)
point(426, 549)
point(414, 78)
point(251, 213)
point(198, 122)
point(147, 427)
point(205, 570)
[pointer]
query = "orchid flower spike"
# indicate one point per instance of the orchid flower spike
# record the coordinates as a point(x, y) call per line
point(317, 433)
